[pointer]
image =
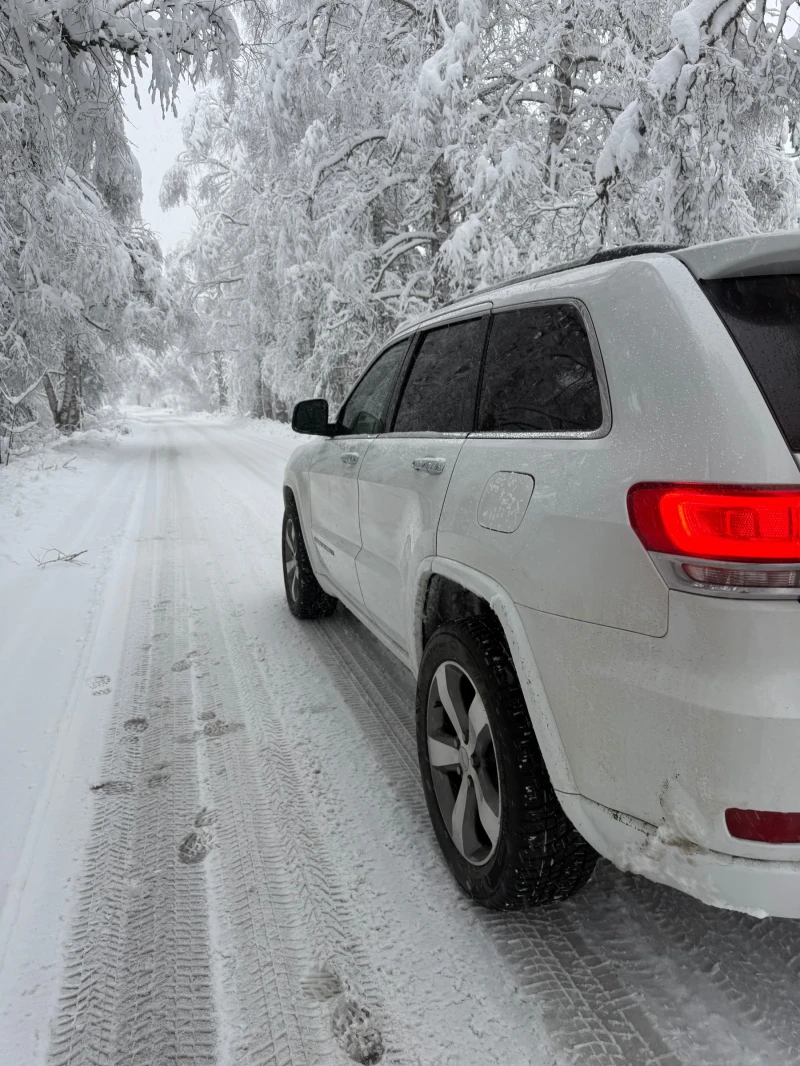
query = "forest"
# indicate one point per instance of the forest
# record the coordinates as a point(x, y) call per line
point(352, 163)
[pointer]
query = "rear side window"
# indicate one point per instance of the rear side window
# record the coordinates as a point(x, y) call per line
point(539, 375)
point(442, 386)
point(763, 316)
point(365, 410)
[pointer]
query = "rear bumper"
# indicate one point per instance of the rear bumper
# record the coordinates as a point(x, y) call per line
point(674, 730)
point(758, 887)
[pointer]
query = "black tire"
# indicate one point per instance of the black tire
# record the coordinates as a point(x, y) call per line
point(538, 856)
point(304, 594)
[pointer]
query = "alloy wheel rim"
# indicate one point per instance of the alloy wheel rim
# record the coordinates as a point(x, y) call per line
point(463, 762)
point(290, 560)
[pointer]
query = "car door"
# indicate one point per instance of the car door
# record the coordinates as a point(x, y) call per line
point(405, 473)
point(333, 472)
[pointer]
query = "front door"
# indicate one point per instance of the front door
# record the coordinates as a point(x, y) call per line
point(334, 470)
point(404, 476)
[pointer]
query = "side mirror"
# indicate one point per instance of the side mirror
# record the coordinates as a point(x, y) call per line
point(311, 416)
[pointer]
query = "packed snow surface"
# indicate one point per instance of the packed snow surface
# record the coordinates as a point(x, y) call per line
point(215, 847)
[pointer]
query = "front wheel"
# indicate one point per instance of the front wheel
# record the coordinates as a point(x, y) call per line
point(304, 594)
point(495, 813)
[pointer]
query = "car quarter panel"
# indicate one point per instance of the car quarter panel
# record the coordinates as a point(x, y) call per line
point(675, 730)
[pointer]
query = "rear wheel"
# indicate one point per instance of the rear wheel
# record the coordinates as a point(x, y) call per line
point(304, 594)
point(495, 813)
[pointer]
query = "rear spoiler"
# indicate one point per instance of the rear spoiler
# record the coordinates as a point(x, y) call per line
point(744, 257)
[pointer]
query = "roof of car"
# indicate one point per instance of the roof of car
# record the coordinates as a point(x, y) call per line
point(767, 253)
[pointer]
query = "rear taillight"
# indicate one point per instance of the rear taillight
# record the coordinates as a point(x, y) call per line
point(768, 827)
point(727, 522)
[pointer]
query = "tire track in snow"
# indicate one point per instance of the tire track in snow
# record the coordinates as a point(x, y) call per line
point(275, 892)
point(386, 952)
point(137, 986)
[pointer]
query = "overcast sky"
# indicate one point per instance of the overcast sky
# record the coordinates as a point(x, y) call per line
point(156, 142)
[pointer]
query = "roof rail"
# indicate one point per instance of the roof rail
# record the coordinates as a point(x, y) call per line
point(607, 255)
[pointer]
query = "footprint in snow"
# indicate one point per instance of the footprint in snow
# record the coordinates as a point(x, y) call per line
point(112, 788)
point(135, 725)
point(100, 685)
point(218, 728)
point(321, 982)
point(206, 716)
point(194, 847)
point(356, 1032)
point(180, 665)
point(158, 779)
point(205, 817)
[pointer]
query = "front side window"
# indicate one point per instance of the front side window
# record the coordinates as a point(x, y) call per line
point(539, 375)
point(442, 386)
point(366, 408)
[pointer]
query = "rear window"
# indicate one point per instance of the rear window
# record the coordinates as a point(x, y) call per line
point(763, 316)
point(539, 375)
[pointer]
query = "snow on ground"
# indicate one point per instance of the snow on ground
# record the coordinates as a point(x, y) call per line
point(215, 846)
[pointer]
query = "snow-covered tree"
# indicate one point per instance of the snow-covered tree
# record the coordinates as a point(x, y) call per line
point(380, 158)
point(80, 276)
point(699, 152)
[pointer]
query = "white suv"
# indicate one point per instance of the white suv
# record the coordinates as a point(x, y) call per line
point(571, 505)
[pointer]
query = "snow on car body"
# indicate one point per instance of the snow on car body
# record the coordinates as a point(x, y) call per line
point(521, 457)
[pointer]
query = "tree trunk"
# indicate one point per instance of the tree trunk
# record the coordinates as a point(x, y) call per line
point(442, 224)
point(69, 415)
point(258, 406)
point(222, 384)
point(52, 399)
point(563, 96)
point(268, 401)
point(66, 415)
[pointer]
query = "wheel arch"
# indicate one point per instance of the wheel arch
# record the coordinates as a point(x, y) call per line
point(481, 595)
point(292, 496)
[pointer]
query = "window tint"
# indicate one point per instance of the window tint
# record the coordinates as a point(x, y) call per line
point(365, 410)
point(440, 393)
point(539, 374)
point(763, 315)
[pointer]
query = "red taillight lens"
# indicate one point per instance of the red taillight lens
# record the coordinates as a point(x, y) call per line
point(769, 827)
point(732, 522)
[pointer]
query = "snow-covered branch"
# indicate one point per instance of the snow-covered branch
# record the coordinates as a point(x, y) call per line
point(342, 154)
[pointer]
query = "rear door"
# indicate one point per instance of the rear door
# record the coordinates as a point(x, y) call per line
point(404, 476)
point(333, 474)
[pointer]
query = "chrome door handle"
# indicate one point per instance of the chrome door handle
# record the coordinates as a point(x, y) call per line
point(351, 458)
point(428, 466)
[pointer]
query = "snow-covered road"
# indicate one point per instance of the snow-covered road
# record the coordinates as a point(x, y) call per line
point(215, 848)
